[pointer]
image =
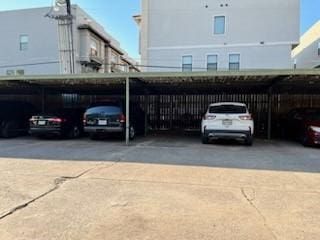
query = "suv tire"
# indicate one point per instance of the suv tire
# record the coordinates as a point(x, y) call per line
point(304, 140)
point(132, 133)
point(74, 132)
point(205, 139)
point(249, 141)
point(94, 136)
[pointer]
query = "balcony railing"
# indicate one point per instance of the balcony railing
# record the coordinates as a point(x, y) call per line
point(96, 58)
point(117, 68)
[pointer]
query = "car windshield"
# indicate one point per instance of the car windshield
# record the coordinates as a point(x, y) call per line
point(62, 112)
point(228, 109)
point(313, 114)
point(112, 110)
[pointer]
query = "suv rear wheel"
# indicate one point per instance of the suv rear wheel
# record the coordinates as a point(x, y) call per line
point(205, 139)
point(132, 133)
point(249, 141)
point(94, 136)
point(74, 132)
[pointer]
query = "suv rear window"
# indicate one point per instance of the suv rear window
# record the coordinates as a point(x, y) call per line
point(107, 103)
point(113, 110)
point(228, 109)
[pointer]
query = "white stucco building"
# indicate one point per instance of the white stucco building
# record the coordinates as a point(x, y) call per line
point(197, 35)
point(29, 44)
point(307, 53)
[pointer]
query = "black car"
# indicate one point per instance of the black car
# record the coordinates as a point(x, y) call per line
point(63, 122)
point(109, 118)
point(14, 118)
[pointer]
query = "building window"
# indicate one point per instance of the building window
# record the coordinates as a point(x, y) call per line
point(114, 57)
point(20, 72)
point(10, 72)
point(212, 62)
point(234, 61)
point(124, 67)
point(93, 47)
point(115, 60)
point(219, 25)
point(24, 42)
point(187, 63)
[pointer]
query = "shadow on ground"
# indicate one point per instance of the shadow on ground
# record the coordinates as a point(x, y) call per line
point(171, 150)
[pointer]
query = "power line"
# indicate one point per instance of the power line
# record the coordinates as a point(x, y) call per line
point(168, 67)
point(29, 64)
point(106, 64)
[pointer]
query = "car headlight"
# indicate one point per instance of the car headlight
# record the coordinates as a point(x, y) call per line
point(315, 129)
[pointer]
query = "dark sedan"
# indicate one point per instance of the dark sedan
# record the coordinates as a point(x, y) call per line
point(65, 123)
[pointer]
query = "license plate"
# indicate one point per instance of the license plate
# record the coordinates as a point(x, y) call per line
point(102, 122)
point(41, 123)
point(227, 122)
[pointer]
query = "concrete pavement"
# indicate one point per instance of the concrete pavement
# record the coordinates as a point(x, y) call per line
point(157, 189)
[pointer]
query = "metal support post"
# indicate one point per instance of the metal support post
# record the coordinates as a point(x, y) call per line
point(43, 100)
point(146, 106)
point(269, 113)
point(127, 110)
point(171, 112)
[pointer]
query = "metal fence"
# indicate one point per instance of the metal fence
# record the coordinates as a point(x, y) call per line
point(184, 112)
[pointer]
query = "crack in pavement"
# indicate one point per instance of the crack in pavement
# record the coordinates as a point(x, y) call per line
point(250, 198)
point(57, 183)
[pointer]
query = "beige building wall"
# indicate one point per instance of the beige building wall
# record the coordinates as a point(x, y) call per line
point(42, 53)
point(307, 54)
point(144, 32)
point(262, 32)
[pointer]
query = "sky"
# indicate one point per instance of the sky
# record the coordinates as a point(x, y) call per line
point(116, 16)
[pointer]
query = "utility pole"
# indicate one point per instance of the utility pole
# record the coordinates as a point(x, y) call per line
point(71, 40)
point(69, 7)
point(62, 12)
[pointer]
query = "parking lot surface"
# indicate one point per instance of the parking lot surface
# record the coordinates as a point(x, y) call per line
point(159, 187)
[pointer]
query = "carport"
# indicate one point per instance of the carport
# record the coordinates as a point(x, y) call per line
point(160, 93)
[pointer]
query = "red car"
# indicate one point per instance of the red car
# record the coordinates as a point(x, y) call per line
point(303, 124)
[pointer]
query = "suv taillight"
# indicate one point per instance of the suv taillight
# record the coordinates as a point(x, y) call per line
point(209, 117)
point(246, 117)
point(122, 118)
point(33, 121)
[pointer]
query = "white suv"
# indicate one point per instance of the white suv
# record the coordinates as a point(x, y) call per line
point(227, 120)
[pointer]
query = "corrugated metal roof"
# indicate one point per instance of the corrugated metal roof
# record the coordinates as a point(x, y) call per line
point(166, 82)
